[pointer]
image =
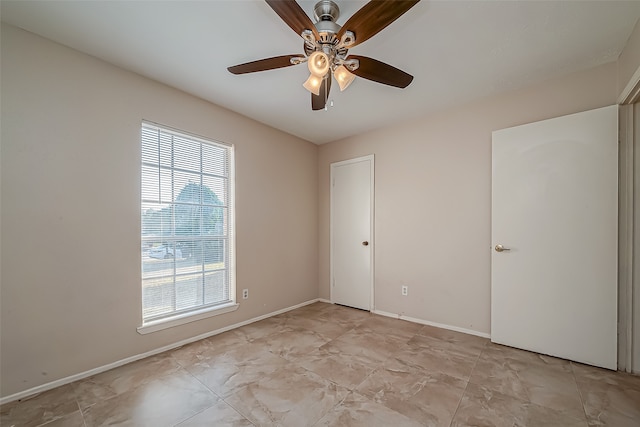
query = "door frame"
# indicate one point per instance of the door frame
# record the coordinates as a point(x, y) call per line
point(371, 159)
point(629, 212)
point(626, 238)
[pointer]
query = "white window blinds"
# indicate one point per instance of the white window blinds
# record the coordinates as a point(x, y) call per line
point(186, 223)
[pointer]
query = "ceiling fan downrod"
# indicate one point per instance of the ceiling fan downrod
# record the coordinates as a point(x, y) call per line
point(326, 10)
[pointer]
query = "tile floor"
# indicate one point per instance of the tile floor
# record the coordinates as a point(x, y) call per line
point(326, 365)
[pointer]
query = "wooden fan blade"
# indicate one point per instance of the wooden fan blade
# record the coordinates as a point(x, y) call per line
point(372, 69)
point(293, 15)
point(319, 101)
point(373, 17)
point(263, 64)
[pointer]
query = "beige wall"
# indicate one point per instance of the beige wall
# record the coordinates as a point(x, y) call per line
point(433, 197)
point(70, 211)
point(629, 60)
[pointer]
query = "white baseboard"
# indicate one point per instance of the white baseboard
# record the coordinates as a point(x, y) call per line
point(86, 374)
point(423, 322)
point(437, 325)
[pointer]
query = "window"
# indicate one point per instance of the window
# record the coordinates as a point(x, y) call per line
point(186, 225)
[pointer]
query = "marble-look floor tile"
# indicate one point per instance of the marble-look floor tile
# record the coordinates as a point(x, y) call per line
point(348, 359)
point(388, 326)
point(472, 342)
point(428, 397)
point(498, 375)
point(289, 396)
point(472, 346)
point(123, 379)
point(220, 414)
point(72, 420)
point(347, 316)
point(439, 356)
point(318, 324)
point(191, 353)
point(234, 369)
point(316, 307)
point(545, 381)
point(39, 409)
point(343, 369)
point(588, 374)
point(553, 389)
point(294, 343)
point(358, 411)
point(262, 328)
point(367, 344)
point(336, 366)
point(501, 352)
point(481, 406)
point(610, 398)
point(610, 418)
point(207, 348)
point(165, 401)
point(329, 322)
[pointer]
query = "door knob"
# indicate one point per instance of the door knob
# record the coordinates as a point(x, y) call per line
point(365, 243)
point(500, 248)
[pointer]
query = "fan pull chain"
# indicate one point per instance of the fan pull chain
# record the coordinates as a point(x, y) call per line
point(330, 105)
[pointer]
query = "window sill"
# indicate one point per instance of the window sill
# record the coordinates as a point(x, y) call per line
point(181, 319)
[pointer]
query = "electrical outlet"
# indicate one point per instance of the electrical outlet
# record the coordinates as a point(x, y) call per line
point(405, 290)
point(245, 293)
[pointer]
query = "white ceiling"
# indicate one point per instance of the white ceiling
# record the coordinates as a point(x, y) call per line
point(457, 51)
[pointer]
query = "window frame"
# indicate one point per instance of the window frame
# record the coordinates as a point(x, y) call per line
point(180, 317)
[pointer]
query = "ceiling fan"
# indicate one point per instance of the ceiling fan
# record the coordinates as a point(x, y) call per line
point(326, 45)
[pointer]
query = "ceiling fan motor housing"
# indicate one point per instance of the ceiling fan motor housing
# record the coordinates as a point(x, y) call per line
point(326, 13)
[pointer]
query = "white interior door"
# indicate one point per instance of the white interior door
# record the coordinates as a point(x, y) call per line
point(554, 206)
point(352, 232)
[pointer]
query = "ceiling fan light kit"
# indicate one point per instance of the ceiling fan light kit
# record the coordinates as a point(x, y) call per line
point(313, 84)
point(343, 77)
point(326, 45)
point(318, 63)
